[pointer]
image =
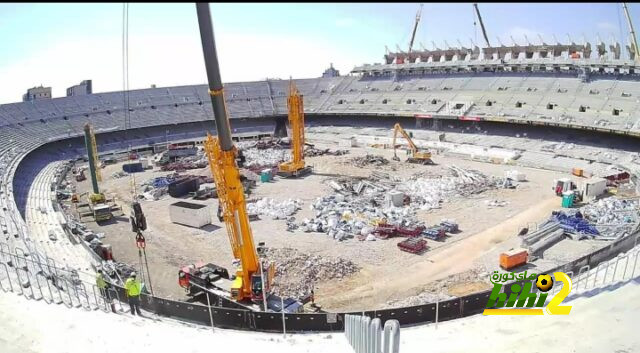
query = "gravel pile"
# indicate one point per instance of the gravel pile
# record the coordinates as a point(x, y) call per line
point(297, 272)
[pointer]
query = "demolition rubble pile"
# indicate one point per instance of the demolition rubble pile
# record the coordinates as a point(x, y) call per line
point(297, 272)
point(368, 160)
point(358, 206)
point(274, 209)
point(613, 217)
point(311, 151)
point(264, 158)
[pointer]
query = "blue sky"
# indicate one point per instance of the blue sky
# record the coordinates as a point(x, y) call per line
point(60, 45)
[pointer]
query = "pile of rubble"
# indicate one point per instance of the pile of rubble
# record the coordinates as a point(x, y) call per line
point(297, 272)
point(368, 160)
point(311, 151)
point(358, 205)
point(264, 157)
point(613, 217)
point(184, 165)
point(274, 209)
point(428, 193)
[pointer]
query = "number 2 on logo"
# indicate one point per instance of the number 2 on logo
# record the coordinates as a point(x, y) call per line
point(554, 307)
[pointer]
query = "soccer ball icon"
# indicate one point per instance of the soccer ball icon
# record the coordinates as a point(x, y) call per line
point(544, 283)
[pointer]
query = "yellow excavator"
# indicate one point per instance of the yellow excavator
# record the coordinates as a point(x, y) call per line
point(252, 276)
point(296, 167)
point(417, 156)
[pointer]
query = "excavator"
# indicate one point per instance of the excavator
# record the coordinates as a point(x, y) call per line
point(418, 157)
point(295, 167)
point(253, 278)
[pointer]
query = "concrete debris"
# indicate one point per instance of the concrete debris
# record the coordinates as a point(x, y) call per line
point(612, 210)
point(297, 272)
point(429, 193)
point(265, 158)
point(368, 160)
point(358, 205)
point(274, 209)
point(311, 151)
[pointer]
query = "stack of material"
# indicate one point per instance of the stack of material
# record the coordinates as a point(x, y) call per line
point(274, 209)
point(574, 223)
point(544, 237)
point(297, 272)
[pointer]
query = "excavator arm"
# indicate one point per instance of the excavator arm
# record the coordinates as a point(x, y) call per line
point(397, 128)
point(416, 156)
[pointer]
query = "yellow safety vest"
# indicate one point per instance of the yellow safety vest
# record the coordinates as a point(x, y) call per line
point(133, 287)
point(100, 282)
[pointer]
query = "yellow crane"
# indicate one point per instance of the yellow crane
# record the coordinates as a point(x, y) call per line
point(249, 280)
point(420, 157)
point(296, 167)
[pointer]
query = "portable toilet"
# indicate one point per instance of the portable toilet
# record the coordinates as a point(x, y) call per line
point(567, 199)
point(265, 175)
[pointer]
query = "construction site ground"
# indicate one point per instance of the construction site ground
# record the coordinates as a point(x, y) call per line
point(386, 273)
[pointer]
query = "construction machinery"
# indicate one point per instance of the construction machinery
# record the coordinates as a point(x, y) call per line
point(99, 208)
point(415, 28)
point(417, 156)
point(251, 281)
point(80, 175)
point(296, 167)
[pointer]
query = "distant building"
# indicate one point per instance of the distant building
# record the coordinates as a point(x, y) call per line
point(82, 89)
point(37, 93)
point(331, 72)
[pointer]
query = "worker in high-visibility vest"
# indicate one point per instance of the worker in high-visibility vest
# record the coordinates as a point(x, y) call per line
point(132, 288)
point(101, 284)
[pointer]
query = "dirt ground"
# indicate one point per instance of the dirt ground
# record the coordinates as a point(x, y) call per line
point(387, 273)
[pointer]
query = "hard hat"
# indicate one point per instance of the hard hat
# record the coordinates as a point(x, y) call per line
point(133, 274)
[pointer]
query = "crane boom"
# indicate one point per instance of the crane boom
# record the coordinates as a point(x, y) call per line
point(484, 31)
point(221, 154)
point(415, 28)
point(634, 42)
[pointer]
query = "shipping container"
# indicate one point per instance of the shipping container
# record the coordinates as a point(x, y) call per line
point(513, 258)
point(183, 187)
point(132, 167)
point(594, 187)
point(190, 214)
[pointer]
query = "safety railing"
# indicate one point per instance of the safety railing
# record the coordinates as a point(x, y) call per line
point(365, 335)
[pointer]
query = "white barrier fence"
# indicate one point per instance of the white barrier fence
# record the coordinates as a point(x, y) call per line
point(366, 336)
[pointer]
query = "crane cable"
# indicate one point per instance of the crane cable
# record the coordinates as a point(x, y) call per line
point(140, 240)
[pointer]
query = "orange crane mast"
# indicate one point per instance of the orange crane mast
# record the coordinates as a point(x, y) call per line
point(296, 167)
point(221, 152)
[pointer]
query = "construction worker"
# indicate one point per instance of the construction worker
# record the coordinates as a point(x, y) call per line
point(101, 284)
point(132, 288)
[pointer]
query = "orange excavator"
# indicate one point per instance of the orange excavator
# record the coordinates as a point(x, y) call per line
point(250, 281)
point(296, 167)
point(417, 156)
